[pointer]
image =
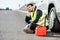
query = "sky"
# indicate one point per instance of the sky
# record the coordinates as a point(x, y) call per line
point(14, 4)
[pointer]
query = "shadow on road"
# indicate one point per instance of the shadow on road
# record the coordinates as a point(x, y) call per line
point(53, 34)
point(50, 34)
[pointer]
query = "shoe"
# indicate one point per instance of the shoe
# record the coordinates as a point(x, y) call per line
point(28, 31)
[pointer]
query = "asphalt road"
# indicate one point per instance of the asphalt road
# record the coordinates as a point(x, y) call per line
point(12, 24)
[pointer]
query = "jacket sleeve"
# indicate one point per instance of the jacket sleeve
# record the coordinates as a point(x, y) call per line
point(27, 19)
point(39, 14)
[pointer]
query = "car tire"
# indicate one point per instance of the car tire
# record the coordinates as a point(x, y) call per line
point(53, 21)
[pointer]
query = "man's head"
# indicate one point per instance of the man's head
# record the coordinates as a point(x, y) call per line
point(30, 7)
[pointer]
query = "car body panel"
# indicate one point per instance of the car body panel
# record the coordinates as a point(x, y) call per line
point(45, 4)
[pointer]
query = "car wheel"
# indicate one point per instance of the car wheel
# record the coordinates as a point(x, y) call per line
point(53, 21)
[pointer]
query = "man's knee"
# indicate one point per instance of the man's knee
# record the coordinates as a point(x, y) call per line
point(33, 26)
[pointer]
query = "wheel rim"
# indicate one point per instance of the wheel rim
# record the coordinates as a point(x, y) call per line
point(51, 19)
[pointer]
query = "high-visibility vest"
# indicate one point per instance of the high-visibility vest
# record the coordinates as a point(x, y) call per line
point(41, 20)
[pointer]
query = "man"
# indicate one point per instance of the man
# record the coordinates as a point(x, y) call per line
point(37, 18)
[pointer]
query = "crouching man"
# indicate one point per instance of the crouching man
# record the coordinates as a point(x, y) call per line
point(37, 17)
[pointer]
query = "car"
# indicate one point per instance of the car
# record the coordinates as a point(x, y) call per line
point(52, 10)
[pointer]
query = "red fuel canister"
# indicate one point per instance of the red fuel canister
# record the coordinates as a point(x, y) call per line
point(40, 31)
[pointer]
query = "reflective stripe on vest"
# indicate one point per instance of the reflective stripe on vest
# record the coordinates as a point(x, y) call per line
point(41, 20)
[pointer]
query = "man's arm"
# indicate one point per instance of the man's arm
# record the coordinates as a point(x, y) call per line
point(27, 19)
